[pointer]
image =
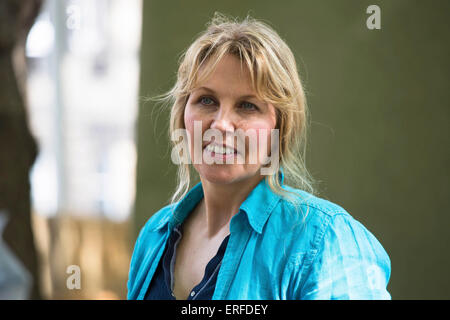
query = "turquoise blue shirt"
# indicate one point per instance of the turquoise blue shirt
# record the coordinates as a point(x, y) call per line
point(272, 253)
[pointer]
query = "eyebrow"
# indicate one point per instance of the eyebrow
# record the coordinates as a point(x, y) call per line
point(248, 96)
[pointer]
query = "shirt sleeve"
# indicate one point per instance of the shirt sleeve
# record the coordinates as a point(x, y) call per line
point(349, 263)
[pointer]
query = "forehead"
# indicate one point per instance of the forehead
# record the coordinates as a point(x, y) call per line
point(229, 74)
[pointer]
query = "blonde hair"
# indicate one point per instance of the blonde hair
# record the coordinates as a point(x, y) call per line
point(275, 78)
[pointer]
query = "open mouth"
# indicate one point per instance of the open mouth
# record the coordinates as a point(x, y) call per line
point(222, 151)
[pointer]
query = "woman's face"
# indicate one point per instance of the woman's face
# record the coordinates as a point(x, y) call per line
point(226, 105)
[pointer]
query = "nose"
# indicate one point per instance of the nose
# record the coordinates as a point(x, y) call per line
point(224, 120)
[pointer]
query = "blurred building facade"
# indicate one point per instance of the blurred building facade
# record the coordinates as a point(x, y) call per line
point(83, 74)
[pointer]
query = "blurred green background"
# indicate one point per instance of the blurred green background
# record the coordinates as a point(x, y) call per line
point(379, 102)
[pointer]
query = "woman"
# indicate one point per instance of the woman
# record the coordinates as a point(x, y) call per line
point(252, 228)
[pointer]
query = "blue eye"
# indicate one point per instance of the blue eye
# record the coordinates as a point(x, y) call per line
point(249, 106)
point(203, 99)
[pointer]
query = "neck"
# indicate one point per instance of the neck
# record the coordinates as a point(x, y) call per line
point(222, 201)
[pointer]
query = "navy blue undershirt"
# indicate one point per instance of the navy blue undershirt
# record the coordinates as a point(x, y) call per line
point(161, 285)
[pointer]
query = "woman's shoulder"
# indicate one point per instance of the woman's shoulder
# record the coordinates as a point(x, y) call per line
point(327, 240)
point(323, 221)
point(298, 209)
point(307, 200)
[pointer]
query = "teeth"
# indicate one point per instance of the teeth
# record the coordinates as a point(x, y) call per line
point(219, 149)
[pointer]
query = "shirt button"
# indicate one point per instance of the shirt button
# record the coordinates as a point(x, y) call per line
point(192, 293)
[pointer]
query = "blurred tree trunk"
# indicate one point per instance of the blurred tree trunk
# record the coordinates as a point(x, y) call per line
point(18, 149)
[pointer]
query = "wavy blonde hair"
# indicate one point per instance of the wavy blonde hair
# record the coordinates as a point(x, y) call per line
point(275, 78)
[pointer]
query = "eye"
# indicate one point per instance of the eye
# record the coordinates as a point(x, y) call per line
point(207, 101)
point(249, 106)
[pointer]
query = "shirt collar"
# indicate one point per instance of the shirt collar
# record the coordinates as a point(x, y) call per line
point(258, 205)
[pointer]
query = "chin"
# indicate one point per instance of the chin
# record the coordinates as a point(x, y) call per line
point(222, 174)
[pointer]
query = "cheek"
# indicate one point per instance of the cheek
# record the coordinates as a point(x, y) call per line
point(188, 118)
point(192, 120)
point(191, 115)
point(265, 121)
point(260, 126)
point(257, 124)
